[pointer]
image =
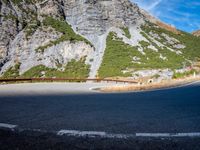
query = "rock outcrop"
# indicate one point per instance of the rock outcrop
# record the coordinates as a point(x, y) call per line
point(89, 18)
point(54, 32)
point(196, 33)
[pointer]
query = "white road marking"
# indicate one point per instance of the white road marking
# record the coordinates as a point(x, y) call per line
point(5, 125)
point(109, 135)
point(192, 134)
point(103, 134)
point(81, 133)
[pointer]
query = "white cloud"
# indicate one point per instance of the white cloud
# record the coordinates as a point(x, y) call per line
point(183, 14)
point(148, 5)
point(153, 5)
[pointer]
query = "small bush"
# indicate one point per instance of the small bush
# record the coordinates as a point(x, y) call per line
point(64, 28)
point(127, 33)
point(12, 72)
point(184, 74)
point(74, 69)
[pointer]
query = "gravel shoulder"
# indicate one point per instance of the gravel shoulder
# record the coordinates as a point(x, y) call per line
point(57, 88)
point(51, 88)
point(152, 86)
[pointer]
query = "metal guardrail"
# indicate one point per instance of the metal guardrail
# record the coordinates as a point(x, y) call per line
point(62, 79)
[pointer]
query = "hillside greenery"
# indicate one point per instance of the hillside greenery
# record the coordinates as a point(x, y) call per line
point(184, 74)
point(64, 28)
point(17, 2)
point(74, 69)
point(119, 56)
point(12, 72)
point(32, 27)
point(192, 43)
point(126, 32)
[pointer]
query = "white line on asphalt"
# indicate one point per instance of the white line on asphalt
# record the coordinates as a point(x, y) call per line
point(110, 135)
point(79, 133)
point(192, 134)
point(5, 125)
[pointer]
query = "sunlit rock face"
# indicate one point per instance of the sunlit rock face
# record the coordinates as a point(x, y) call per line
point(54, 32)
point(90, 18)
point(196, 33)
point(97, 16)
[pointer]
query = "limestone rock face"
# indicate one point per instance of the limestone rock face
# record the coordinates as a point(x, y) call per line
point(54, 32)
point(25, 50)
point(97, 16)
point(8, 31)
point(196, 33)
point(22, 31)
point(50, 8)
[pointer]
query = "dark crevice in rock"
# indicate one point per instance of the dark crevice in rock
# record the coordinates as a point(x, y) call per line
point(13, 8)
point(61, 6)
point(0, 12)
point(2, 63)
point(17, 26)
point(6, 59)
point(17, 22)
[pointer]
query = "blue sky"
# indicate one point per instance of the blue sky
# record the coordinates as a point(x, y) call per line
point(183, 14)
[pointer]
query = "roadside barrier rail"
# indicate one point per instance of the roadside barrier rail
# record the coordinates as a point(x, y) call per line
point(2, 80)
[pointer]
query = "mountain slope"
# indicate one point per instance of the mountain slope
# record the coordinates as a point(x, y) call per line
point(62, 38)
point(159, 53)
point(196, 33)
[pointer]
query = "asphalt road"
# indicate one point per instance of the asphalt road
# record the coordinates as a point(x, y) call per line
point(175, 110)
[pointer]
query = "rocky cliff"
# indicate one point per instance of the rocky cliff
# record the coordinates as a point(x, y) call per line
point(196, 33)
point(88, 38)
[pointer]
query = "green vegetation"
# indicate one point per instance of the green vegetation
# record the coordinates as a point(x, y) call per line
point(192, 43)
point(31, 28)
point(64, 28)
point(12, 72)
point(119, 57)
point(5, 1)
point(144, 44)
point(28, 19)
point(116, 58)
point(17, 2)
point(156, 76)
point(74, 69)
point(10, 16)
point(174, 61)
point(127, 33)
point(184, 74)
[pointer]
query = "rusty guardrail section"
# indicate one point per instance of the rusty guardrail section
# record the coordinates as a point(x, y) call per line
point(62, 79)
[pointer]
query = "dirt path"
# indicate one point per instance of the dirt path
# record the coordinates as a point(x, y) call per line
point(151, 86)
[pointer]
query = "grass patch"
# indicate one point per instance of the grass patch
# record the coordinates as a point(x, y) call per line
point(144, 44)
point(12, 72)
point(119, 57)
point(10, 16)
point(74, 69)
point(31, 28)
point(185, 74)
point(64, 28)
point(126, 32)
point(173, 61)
point(192, 43)
point(17, 2)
